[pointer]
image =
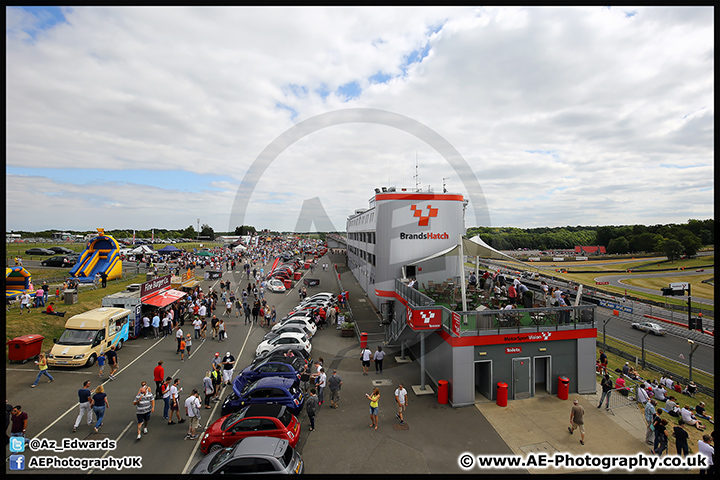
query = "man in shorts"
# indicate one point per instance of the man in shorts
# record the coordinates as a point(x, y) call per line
point(576, 420)
point(145, 405)
point(192, 410)
point(401, 400)
point(112, 360)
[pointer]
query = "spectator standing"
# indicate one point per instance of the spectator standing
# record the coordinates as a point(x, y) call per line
point(661, 436)
point(221, 330)
point(85, 405)
point(158, 376)
point(145, 405)
point(311, 408)
point(374, 406)
point(24, 303)
point(188, 345)
point(99, 403)
point(208, 388)
point(320, 382)
point(182, 349)
point(401, 400)
point(146, 326)
point(165, 390)
point(165, 325)
point(156, 325)
point(175, 390)
point(705, 448)
point(179, 336)
point(335, 384)
point(607, 386)
point(228, 362)
point(681, 439)
point(649, 412)
point(192, 410)
point(577, 420)
point(42, 365)
point(19, 420)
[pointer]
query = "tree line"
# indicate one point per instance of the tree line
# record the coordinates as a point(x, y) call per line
point(672, 239)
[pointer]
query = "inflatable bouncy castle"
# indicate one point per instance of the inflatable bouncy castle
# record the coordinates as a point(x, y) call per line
point(17, 281)
point(102, 255)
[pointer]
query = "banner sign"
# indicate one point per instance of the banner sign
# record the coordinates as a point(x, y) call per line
point(425, 319)
point(513, 349)
point(615, 306)
point(153, 286)
point(581, 258)
point(602, 283)
point(558, 259)
point(456, 323)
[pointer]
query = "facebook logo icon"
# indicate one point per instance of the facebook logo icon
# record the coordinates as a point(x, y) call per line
point(17, 444)
point(17, 462)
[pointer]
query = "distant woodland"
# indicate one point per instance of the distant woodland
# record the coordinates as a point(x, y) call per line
point(672, 239)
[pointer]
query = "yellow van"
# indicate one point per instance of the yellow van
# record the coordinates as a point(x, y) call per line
point(88, 334)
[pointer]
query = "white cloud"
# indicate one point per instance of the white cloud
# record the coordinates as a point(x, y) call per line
point(615, 99)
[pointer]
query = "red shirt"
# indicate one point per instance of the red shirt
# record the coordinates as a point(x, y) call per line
point(159, 373)
point(49, 309)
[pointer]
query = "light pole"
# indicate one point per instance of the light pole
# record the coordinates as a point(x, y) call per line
point(692, 350)
point(605, 323)
point(642, 343)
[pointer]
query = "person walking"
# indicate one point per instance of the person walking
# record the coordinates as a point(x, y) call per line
point(216, 375)
point(365, 358)
point(378, 359)
point(335, 384)
point(99, 403)
point(182, 349)
point(320, 382)
point(681, 439)
point(158, 376)
point(247, 312)
point(175, 390)
point(192, 410)
point(188, 345)
point(576, 420)
point(661, 436)
point(165, 389)
point(228, 363)
point(374, 406)
point(145, 405)
point(112, 359)
point(179, 336)
point(607, 387)
point(43, 366)
point(101, 364)
point(85, 405)
point(221, 330)
point(311, 407)
point(208, 388)
point(401, 400)
point(156, 325)
point(19, 421)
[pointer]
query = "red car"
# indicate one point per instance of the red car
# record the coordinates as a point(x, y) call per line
point(252, 421)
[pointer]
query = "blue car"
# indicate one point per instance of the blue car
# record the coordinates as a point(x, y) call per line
point(268, 390)
point(288, 367)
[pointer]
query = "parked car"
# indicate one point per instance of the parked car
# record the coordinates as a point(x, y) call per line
point(251, 421)
point(252, 455)
point(292, 328)
point(268, 390)
point(275, 285)
point(39, 251)
point(286, 339)
point(288, 368)
point(281, 355)
point(302, 321)
point(654, 328)
point(59, 261)
point(63, 250)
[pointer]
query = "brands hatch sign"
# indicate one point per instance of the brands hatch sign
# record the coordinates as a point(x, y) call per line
point(424, 221)
point(424, 319)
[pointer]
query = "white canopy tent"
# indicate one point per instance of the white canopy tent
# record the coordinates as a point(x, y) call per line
point(474, 247)
point(142, 249)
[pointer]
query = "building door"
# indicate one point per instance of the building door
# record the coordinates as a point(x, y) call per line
point(483, 381)
point(542, 369)
point(521, 378)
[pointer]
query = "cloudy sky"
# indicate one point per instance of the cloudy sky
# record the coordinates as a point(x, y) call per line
point(152, 117)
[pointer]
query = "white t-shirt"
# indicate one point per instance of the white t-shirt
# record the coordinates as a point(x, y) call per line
point(189, 402)
point(366, 355)
point(400, 393)
point(179, 333)
point(202, 310)
point(707, 450)
point(146, 322)
point(197, 323)
point(174, 393)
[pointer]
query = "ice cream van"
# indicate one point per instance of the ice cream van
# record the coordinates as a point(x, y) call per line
point(88, 334)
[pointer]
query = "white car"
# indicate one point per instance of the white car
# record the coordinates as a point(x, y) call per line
point(283, 341)
point(306, 322)
point(654, 328)
point(275, 285)
point(323, 295)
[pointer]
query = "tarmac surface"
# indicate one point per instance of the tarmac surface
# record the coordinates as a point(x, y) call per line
point(433, 440)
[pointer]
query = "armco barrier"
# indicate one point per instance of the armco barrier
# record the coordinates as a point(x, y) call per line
point(684, 325)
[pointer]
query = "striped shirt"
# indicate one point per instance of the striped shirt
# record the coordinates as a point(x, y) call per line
point(144, 402)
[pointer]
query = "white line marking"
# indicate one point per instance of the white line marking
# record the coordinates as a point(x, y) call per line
point(116, 441)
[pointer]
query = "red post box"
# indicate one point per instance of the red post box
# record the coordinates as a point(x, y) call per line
point(297, 275)
point(306, 266)
point(563, 388)
point(363, 340)
point(20, 349)
point(443, 389)
point(288, 284)
point(502, 394)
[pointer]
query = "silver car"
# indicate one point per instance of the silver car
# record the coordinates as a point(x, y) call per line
point(252, 455)
point(654, 328)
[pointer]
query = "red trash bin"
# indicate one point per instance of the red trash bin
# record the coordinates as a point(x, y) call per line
point(306, 266)
point(443, 388)
point(20, 349)
point(563, 388)
point(363, 340)
point(288, 284)
point(502, 394)
point(297, 275)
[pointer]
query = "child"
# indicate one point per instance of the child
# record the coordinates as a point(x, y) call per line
point(101, 363)
point(182, 350)
point(57, 293)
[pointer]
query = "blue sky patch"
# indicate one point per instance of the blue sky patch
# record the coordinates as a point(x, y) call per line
point(350, 90)
point(45, 19)
point(293, 112)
